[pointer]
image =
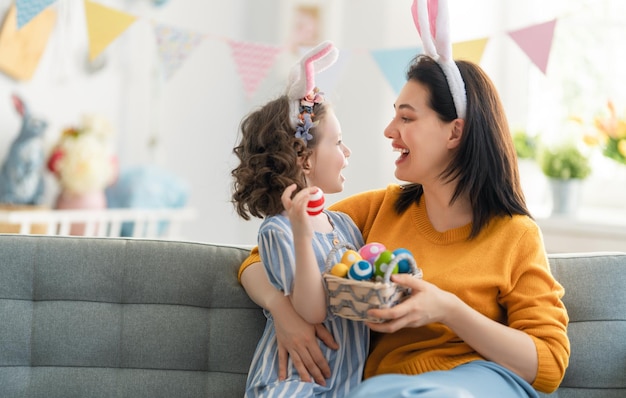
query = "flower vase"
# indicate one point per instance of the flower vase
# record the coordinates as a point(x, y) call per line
point(565, 196)
point(95, 200)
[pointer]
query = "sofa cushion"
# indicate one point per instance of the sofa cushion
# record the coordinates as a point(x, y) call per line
point(595, 298)
point(102, 317)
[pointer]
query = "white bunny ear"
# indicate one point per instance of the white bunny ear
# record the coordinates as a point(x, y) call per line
point(432, 21)
point(302, 76)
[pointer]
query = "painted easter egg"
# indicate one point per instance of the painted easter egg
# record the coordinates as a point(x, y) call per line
point(316, 203)
point(350, 257)
point(340, 270)
point(404, 266)
point(382, 262)
point(361, 270)
point(370, 251)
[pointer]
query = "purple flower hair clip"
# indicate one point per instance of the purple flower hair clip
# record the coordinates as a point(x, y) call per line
point(302, 130)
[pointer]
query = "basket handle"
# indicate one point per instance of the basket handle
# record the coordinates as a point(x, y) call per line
point(402, 256)
point(333, 251)
point(417, 272)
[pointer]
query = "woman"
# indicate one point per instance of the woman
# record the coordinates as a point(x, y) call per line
point(487, 319)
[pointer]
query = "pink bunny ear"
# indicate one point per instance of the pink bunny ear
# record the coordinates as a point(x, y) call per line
point(432, 21)
point(314, 61)
point(428, 11)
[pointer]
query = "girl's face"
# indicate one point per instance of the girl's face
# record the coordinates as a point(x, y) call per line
point(423, 140)
point(329, 157)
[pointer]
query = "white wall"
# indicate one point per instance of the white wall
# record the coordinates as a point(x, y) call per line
point(193, 117)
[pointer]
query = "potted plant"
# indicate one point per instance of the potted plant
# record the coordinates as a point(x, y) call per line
point(565, 166)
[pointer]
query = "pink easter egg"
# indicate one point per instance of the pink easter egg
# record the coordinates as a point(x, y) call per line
point(316, 203)
point(371, 251)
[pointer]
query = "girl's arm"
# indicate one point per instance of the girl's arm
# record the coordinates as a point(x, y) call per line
point(308, 294)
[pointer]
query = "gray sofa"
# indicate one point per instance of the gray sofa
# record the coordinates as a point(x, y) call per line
point(123, 317)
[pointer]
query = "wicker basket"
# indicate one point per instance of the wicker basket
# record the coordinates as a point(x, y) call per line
point(351, 299)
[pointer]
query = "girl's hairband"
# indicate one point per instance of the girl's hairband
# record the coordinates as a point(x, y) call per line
point(301, 91)
point(431, 19)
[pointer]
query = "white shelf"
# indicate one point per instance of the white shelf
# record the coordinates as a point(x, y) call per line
point(147, 223)
point(591, 229)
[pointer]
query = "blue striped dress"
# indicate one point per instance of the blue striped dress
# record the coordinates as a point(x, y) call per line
point(347, 362)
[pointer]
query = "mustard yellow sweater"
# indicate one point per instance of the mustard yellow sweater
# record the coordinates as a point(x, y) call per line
point(502, 273)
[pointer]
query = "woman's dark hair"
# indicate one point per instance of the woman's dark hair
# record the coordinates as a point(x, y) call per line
point(270, 159)
point(485, 163)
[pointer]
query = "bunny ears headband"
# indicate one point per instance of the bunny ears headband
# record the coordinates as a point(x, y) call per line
point(431, 19)
point(302, 92)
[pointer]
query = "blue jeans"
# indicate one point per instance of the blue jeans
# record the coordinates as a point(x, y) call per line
point(480, 379)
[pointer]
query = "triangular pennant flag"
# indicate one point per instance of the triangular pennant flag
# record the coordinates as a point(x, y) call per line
point(104, 25)
point(253, 61)
point(536, 42)
point(471, 50)
point(20, 50)
point(394, 64)
point(174, 46)
point(327, 80)
point(29, 9)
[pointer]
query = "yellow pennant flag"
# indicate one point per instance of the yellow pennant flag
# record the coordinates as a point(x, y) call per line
point(104, 25)
point(471, 50)
point(21, 49)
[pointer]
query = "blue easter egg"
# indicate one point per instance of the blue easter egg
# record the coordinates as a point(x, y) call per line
point(404, 266)
point(361, 270)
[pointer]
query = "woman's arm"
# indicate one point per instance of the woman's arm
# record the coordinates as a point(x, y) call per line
point(296, 338)
point(499, 343)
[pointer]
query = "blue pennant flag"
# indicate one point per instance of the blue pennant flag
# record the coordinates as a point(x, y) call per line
point(29, 9)
point(394, 64)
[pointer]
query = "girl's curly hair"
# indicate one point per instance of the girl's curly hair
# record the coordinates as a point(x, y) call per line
point(271, 158)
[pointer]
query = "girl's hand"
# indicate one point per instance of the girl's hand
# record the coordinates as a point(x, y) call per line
point(296, 210)
point(427, 304)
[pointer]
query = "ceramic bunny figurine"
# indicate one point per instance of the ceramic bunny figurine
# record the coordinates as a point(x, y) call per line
point(22, 173)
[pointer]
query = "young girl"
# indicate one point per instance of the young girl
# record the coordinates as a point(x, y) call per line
point(294, 143)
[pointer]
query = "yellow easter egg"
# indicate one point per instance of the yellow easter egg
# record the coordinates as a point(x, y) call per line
point(350, 257)
point(340, 270)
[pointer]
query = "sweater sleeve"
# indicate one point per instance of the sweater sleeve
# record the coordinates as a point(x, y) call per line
point(252, 258)
point(534, 306)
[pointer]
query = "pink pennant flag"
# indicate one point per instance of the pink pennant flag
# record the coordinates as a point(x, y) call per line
point(536, 42)
point(174, 46)
point(253, 61)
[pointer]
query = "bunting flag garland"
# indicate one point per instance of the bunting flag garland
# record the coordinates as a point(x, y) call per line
point(174, 46)
point(104, 25)
point(20, 49)
point(471, 50)
point(253, 61)
point(29, 9)
point(394, 64)
point(536, 42)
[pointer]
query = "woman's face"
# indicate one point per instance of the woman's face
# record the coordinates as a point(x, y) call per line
point(423, 141)
point(329, 156)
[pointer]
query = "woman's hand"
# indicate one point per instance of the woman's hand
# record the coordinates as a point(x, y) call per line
point(298, 339)
point(509, 347)
point(427, 304)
